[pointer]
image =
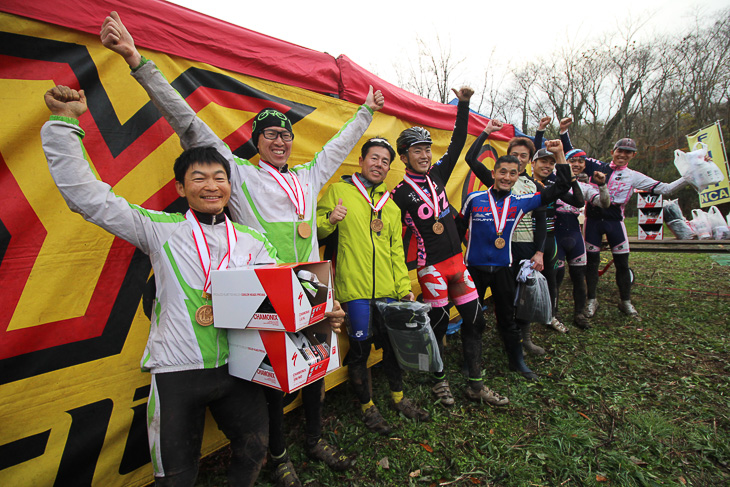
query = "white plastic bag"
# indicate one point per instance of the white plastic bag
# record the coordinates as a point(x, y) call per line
point(693, 167)
point(720, 230)
point(532, 300)
point(701, 225)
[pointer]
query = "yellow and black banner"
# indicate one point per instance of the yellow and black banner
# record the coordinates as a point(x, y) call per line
point(72, 330)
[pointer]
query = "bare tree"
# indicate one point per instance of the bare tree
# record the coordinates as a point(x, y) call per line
point(432, 72)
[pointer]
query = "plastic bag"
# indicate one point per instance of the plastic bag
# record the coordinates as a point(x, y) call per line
point(720, 230)
point(701, 225)
point(693, 167)
point(532, 298)
point(411, 336)
point(676, 222)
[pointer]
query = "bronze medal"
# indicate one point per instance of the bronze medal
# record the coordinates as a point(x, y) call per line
point(304, 230)
point(376, 225)
point(500, 243)
point(438, 228)
point(204, 315)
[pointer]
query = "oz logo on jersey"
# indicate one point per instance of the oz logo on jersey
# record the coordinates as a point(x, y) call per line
point(42, 252)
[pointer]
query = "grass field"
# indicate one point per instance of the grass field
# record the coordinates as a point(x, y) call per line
point(625, 403)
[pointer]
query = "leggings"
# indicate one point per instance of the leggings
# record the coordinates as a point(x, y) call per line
point(179, 400)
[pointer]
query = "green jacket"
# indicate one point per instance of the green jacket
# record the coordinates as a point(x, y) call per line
point(369, 265)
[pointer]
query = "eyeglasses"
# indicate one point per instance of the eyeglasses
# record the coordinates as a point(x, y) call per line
point(286, 136)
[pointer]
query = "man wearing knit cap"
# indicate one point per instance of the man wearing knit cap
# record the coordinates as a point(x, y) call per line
point(270, 197)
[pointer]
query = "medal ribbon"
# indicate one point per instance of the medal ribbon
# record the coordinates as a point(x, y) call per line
point(295, 194)
point(499, 221)
point(201, 244)
point(432, 202)
point(381, 202)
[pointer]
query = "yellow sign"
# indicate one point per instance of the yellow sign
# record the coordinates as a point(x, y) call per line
point(712, 136)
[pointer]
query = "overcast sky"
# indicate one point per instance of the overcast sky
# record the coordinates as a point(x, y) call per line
point(380, 35)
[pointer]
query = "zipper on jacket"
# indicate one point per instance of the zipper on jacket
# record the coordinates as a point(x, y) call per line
point(372, 242)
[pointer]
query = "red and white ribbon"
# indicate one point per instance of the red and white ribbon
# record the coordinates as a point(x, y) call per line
point(201, 244)
point(432, 202)
point(361, 187)
point(499, 221)
point(295, 193)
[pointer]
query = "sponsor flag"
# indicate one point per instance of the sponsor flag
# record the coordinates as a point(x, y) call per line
point(712, 136)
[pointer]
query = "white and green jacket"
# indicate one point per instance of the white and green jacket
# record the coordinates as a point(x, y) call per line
point(176, 342)
point(257, 199)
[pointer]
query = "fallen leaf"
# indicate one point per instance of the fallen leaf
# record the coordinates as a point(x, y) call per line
point(682, 480)
point(427, 447)
point(475, 481)
point(584, 416)
point(491, 432)
point(601, 478)
point(384, 462)
point(415, 473)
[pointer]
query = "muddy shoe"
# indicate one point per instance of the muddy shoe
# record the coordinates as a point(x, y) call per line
point(286, 476)
point(527, 344)
point(628, 309)
point(443, 393)
point(591, 307)
point(330, 455)
point(557, 325)
point(375, 421)
point(581, 321)
point(485, 394)
point(410, 410)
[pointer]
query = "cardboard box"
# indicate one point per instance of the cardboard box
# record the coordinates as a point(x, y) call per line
point(275, 359)
point(269, 297)
point(646, 200)
point(651, 232)
point(650, 216)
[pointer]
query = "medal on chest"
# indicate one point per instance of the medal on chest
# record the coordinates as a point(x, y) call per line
point(204, 313)
point(499, 220)
point(432, 202)
point(295, 193)
point(376, 224)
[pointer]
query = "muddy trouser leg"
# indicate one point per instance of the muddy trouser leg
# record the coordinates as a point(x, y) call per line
point(312, 401)
point(364, 316)
point(503, 290)
point(246, 428)
point(578, 277)
point(472, 329)
point(239, 409)
point(275, 406)
point(594, 261)
point(439, 319)
point(623, 275)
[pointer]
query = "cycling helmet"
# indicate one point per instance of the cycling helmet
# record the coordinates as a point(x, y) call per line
point(412, 136)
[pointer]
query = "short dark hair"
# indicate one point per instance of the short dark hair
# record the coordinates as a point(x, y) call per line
point(523, 141)
point(200, 155)
point(506, 160)
point(377, 141)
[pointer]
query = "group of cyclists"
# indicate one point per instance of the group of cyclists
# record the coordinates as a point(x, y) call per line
point(275, 217)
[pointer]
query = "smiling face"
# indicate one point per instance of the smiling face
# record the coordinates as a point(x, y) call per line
point(418, 158)
point(275, 151)
point(543, 167)
point(375, 165)
point(506, 175)
point(206, 187)
point(577, 164)
point(523, 154)
point(621, 157)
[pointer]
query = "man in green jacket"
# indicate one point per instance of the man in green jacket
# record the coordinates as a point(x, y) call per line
point(370, 267)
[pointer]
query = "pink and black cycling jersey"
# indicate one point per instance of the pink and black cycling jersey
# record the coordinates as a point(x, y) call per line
point(418, 215)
